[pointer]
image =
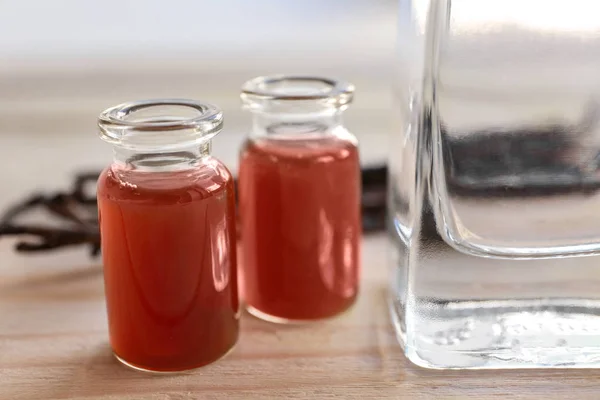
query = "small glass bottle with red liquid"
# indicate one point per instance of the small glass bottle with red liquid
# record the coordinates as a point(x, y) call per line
point(167, 223)
point(299, 200)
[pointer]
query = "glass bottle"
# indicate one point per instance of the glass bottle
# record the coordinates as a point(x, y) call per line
point(494, 184)
point(167, 222)
point(299, 198)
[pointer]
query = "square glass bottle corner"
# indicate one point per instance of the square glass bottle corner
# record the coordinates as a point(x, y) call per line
point(494, 185)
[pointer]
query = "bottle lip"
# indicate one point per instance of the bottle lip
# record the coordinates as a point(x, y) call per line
point(314, 93)
point(160, 124)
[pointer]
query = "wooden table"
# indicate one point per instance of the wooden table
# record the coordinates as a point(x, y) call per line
point(53, 333)
point(53, 345)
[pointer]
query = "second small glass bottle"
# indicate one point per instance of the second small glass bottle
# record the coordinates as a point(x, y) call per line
point(299, 198)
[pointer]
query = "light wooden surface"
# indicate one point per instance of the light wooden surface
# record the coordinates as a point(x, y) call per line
point(53, 334)
point(53, 345)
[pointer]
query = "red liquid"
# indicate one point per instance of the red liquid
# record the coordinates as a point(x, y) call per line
point(168, 245)
point(300, 216)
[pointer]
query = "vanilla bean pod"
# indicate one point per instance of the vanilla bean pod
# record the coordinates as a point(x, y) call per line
point(77, 213)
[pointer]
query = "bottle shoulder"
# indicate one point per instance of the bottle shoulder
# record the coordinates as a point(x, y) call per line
point(210, 177)
point(282, 149)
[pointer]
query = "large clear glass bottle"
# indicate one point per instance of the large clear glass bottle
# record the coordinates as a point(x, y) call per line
point(495, 184)
point(299, 200)
point(167, 223)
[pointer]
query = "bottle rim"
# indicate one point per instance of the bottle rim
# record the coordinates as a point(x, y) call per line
point(160, 124)
point(268, 93)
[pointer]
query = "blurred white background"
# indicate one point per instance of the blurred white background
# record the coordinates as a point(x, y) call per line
point(64, 61)
point(34, 29)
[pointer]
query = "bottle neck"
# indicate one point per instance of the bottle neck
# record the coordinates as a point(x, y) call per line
point(172, 160)
point(267, 124)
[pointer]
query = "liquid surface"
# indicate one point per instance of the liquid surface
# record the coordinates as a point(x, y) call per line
point(300, 216)
point(168, 246)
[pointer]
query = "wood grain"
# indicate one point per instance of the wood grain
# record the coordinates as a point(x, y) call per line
point(53, 345)
point(53, 335)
